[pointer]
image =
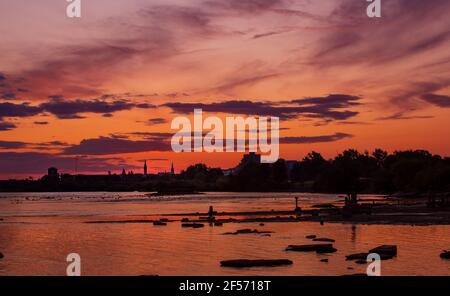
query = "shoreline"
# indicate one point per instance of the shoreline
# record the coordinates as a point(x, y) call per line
point(381, 215)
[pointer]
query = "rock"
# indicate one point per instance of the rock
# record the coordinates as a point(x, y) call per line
point(261, 224)
point(318, 248)
point(218, 224)
point(192, 225)
point(445, 255)
point(357, 256)
point(239, 263)
point(185, 220)
point(324, 239)
point(389, 250)
point(324, 260)
point(159, 223)
point(164, 220)
point(247, 231)
point(311, 236)
point(2, 256)
point(363, 257)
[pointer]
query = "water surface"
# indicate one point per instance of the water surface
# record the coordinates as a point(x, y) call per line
point(39, 230)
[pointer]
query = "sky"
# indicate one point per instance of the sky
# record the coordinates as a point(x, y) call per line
point(98, 93)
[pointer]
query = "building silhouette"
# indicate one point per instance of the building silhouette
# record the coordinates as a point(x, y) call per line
point(52, 172)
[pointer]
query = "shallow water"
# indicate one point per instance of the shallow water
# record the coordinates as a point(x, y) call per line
point(39, 230)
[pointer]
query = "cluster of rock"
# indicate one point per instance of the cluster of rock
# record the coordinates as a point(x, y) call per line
point(247, 231)
point(385, 252)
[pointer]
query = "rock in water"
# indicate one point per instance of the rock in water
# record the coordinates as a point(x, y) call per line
point(318, 248)
point(159, 223)
point(324, 239)
point(357, 256)
point(192, 225)
point(324, 260)
point(311, 236)
point(389, 250)
point(239, 263)
point(444, 255)
point(363, 256)
point(1, 256)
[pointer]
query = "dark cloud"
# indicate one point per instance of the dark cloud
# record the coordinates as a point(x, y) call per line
point(18, 110)
point(67, 109)
point(149, 135)
point(329, 107)
point(437, 100)
point(112, 145)
point(267, 34)
point(412, 96)
point(70, 109)
point(403, 116)
point(315, 139)
point(12, 145)
point(38, 163)
point(155, 121)
point(8, 96)
point(6, 126)
point(43, 145)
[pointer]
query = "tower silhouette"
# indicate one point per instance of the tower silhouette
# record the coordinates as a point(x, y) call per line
point(145, 168)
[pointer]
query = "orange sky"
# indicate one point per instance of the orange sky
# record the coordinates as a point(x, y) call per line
point(104, 88)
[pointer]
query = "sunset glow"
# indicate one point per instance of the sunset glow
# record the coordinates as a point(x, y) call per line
point(98, 94)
